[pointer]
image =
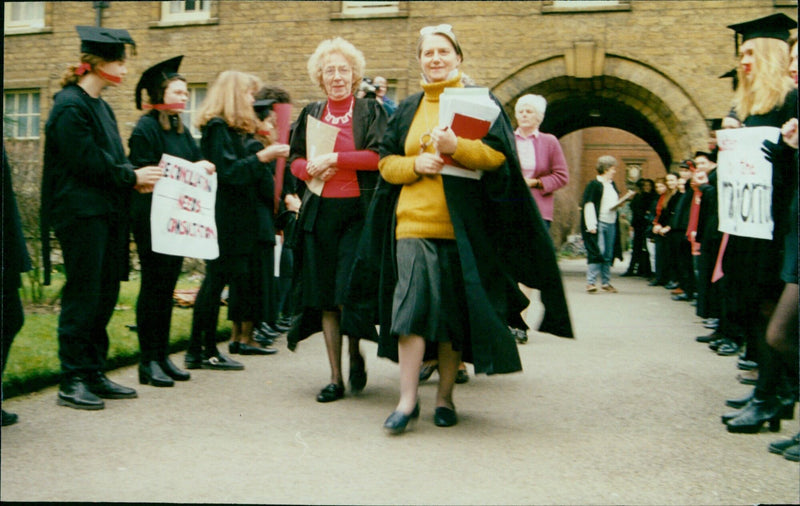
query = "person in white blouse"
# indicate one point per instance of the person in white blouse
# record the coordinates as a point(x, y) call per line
point(600, 225)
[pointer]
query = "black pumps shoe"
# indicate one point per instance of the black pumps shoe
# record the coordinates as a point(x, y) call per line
point(444, 417)
point(173, 371)
point(358, 374)
point(398, 421)
point(427, 369)
point(330, 393)
point(150, 373)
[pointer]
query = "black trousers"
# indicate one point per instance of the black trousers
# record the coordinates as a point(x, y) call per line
point(708, 295)
point(154, 305)
point(93, 255)
point(203, 339)
point(684, 268)
point(13, 316)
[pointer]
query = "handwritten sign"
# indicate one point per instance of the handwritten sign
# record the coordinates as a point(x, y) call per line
point(744, 184)
point(182, 214)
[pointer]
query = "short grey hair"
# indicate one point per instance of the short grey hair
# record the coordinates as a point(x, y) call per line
point(605, 162)
point(538, 102)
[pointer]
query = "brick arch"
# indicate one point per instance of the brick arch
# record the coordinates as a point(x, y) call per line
point(627, 94)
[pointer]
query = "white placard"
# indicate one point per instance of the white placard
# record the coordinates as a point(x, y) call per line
point(182, 214)
point(744, 182)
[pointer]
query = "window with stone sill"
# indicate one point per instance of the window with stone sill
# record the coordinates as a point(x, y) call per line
point(186, 11)
point(21, 114)
point(22, 17)
point(368, 9)
point(197, 93)
point(573, 6)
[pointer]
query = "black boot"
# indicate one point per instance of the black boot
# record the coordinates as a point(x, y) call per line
point(74, 393)
point(786, 411)
point(152, 374)
point(755, 414)
point(103, 387)
point(173, 371)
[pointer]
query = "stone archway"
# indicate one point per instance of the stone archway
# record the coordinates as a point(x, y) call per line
point(597, 89)
point(584, 88)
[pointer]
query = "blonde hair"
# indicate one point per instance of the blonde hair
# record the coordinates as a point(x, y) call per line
point(70, 77)
point(770, 81)
point(227, 99)
point(337, 45)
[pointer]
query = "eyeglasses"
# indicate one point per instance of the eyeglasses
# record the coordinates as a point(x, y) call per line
point(448, 29)
point(331, 71)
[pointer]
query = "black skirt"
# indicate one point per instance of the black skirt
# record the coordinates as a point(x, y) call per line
point(429, 298)
point(329, 251)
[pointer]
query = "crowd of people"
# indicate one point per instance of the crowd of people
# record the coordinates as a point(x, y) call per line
point(377, 244)
point(743, 288)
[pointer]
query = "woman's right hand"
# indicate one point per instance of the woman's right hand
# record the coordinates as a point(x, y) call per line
point(428, 164)
point(146, 178)
point(272, 152)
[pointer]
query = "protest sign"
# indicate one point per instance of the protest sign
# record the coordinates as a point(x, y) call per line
point(182, 213)
point(744, 182)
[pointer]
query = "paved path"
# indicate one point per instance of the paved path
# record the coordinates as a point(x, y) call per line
point(628, 413)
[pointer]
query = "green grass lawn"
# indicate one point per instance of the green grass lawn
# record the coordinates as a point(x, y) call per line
point(33, 360)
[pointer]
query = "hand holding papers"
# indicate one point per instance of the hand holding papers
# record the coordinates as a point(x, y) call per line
point(470, 113)
point(320, 140)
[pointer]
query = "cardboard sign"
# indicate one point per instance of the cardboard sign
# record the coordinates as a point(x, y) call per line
point(744, 184)
point(182, 214)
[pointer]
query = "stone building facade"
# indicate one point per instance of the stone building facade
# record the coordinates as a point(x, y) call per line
point(650, 68)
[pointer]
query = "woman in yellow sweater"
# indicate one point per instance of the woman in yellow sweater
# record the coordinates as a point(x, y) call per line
point(454, 286)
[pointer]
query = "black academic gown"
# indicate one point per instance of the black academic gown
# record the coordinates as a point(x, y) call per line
point(369, 123)
point(594, 193)
point(501, 240)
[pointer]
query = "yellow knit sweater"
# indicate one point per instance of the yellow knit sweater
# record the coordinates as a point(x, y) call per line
point(422, 208)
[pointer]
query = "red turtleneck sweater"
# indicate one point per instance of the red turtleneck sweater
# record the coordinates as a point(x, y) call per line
point(344, 184)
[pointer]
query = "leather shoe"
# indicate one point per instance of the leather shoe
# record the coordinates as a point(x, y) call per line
point(152, 374)
point(711, 323)
point(746, 365)
point(221, 363)
point(780, 446)
point(681, 297)
point(792, 453)
point(330, 393)
point(521, 335)
point(755, 414)
point(74, 393)
point(99, 384)
point(655, 282)
point(707, 339)
point(268, 331)
point(262, 338)
point(740, 402)
point(173, 371)
point(727, 349)
point(444, 417)
point(249, 349)
point(358, 374)
point(233, 347)
point(462, 376)
point(398, 421)
point(9, 418)
point(427, 369)
point(748, 377)
point(282, 325)
point(671, 285)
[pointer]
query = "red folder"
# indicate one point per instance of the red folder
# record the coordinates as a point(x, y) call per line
point(467, 127)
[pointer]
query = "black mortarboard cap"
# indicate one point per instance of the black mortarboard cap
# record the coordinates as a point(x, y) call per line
point(774, 26)
point(107, 43)
point(262, 107)
point(712, 157)
point(153, 77)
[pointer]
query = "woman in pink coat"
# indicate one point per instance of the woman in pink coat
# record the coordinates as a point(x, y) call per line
point(543, 165)
point(540, 154)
